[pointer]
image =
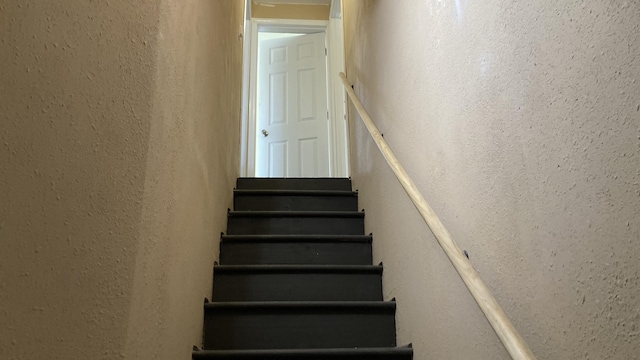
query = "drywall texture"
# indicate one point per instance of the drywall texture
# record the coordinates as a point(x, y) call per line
point(520, 123)
point(191, 169)
point(119, 137)
point(290, 11)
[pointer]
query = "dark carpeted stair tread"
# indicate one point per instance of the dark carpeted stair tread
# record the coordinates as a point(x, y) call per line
point(299, 325)
point(294, 200)
point(295, 222)
point(297, 283)
point(295, 183)
point(295, 249)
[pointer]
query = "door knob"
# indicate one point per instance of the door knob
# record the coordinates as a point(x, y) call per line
point(265, 133)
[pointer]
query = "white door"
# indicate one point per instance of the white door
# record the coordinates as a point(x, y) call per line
point(292, 126)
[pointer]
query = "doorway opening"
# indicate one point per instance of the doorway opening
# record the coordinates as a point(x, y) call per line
point(292, 138)
point(294, 107)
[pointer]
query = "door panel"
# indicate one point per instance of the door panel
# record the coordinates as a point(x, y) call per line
point(278, 98)
point(308, 160)
point(278, 159)
point(292, 125)
point(306, 94)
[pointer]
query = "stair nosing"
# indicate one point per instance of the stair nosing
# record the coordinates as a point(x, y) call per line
point(292, 177)
point(296, 238)
point(295, 268)
point(313, 351)
point(283, 192)
point(256, 305)
point(344, 214)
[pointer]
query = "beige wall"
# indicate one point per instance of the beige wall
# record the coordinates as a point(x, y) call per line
point(290, 11)
point(520, 123)
point(119, 136)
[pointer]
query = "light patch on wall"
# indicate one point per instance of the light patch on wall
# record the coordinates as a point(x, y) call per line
point(436, 5)
point(458, 9)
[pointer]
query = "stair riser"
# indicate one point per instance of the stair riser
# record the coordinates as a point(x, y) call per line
point(294, 184)
point(247, 225)
point(297, 329)
point(295, 203)
point(295, 253)
point(297, 287)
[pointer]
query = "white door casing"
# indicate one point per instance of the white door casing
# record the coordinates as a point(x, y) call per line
point(291, 115)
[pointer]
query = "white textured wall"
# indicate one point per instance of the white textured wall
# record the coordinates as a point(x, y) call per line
point(520, 123)
point(119, 132)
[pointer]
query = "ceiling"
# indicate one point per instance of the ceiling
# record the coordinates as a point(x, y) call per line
point(298, 2)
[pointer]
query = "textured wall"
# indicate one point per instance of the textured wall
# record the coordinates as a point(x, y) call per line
point(191, 170)
point(118, 146)
point(520, 123)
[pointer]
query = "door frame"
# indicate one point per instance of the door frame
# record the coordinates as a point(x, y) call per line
point(336, 101)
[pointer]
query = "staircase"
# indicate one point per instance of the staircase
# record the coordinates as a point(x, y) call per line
point(295, 279)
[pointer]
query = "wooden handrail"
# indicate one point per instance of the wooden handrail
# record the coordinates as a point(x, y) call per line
point(513, 342)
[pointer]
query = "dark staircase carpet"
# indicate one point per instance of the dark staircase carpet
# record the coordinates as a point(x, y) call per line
point(295, 279)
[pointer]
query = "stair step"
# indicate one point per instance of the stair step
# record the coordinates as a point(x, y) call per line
point(295, 222)
point(297, 238)
point(299, 325)
point(296, 249)
point(294, 183)
point(297, 283)
point(388, 353)
point(295, 200)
